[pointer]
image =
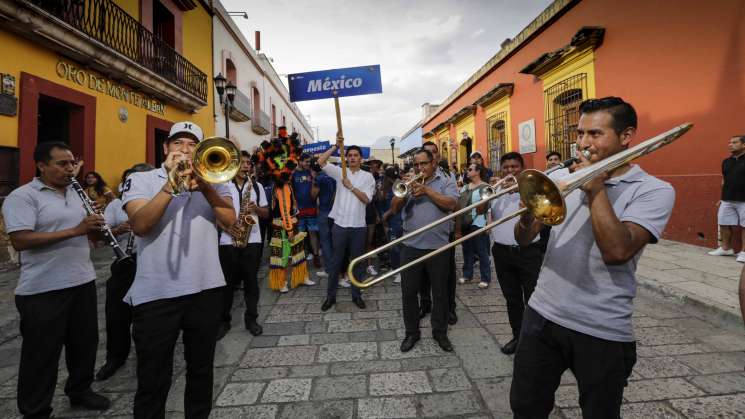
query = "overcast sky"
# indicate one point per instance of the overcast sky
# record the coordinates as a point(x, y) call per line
point(426, 49)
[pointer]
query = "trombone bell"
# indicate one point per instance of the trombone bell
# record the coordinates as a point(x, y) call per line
point(544, 198)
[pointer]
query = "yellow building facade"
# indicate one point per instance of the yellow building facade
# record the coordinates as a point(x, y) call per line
point(107, 77)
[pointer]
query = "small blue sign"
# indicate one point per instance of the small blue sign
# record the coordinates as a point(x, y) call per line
point(338, 82)
point(322, 146)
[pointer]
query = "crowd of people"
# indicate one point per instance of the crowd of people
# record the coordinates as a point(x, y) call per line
point(569, 289)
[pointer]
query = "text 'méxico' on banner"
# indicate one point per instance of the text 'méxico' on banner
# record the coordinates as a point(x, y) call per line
point(338, 82)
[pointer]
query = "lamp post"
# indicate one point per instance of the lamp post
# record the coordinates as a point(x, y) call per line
point(393, 144)
point(227, 88)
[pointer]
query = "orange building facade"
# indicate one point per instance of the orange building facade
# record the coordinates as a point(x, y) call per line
point(675, 62)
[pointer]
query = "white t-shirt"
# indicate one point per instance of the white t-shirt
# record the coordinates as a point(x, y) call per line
point(348, 211)
point(248, 188)
point(115, 215)
point(179, 255)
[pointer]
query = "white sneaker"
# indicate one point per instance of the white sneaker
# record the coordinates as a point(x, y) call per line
point(397, 279)
point(284, 289)
point(308, 282)
point(721, 252)
point(371, 270)
point(741, 257)
point(463, 280)
point(322, 274)
point(483, 285)
point(344, 283)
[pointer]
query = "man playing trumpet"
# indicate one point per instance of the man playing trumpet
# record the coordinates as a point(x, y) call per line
point(429, 200)
point(178, 284)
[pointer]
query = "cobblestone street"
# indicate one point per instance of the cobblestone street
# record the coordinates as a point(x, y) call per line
point(346, 363)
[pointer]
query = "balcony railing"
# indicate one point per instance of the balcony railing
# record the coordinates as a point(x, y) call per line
point(241, 109)
point(109, 24)
point(260, 122)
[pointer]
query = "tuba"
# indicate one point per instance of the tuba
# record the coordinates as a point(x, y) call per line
point(245, 222)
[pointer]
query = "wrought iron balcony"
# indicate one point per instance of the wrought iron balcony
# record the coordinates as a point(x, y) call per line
point(260, 123)
point(107, 23)
point(241, 109)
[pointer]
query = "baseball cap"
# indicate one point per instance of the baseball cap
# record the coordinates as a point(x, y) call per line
point(186, 128)
point(476, 153)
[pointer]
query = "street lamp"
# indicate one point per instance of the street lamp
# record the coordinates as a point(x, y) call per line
point(227, 88)
point(393, 144)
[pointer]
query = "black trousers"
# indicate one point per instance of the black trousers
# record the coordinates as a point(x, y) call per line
point(436, 270)
point(425, 295)
point(118, 315)
point(240, 266)
point(517, 272)
point(155, 327)
point(50, 321)
point(545, 350)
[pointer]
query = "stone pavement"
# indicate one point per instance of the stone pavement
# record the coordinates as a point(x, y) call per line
point(345, 363)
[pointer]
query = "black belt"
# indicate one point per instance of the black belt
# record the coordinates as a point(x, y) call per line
point(515, 248)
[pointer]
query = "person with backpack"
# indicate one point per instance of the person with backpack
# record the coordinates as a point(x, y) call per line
point(478, 246)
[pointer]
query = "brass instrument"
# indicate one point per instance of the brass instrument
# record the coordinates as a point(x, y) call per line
point(542, 197)
point(245, 222)
point(402, 189)
point(215, 160)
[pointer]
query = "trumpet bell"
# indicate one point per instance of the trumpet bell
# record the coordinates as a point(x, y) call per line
point(216, 160)
point(400, 189)
point(542, 197)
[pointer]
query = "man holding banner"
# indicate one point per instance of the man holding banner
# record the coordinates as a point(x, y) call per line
point(353, 192)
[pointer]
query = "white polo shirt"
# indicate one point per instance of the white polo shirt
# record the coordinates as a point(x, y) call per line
point(65, 264)
point(504, 233)
point(115, 215)
point(179, 255)
point(348, 211)
point(236, 194)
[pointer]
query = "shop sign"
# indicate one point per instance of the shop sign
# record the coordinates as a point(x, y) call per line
point(103, 85)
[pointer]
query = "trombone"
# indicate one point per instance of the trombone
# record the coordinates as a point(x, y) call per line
point(542, 197)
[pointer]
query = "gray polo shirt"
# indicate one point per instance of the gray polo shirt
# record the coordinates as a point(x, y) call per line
point(418, 212)
point(65, 264)
point(576, 289)
point(179, 255)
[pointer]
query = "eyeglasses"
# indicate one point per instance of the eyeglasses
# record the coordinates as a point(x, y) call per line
point(422, 163)
point(473, 169)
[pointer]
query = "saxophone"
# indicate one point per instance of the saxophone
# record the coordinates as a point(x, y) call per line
point(243, 225)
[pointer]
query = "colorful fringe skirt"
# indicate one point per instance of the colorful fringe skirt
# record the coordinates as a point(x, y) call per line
point(286, 253)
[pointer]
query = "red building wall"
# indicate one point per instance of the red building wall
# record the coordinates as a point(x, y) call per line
point(674, 64)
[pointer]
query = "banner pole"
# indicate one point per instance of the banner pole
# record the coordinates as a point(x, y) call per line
point(340, 135)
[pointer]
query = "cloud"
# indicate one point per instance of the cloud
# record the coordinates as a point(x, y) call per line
point(426, 49)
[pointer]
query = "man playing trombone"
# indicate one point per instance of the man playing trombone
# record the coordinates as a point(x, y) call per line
point(579, 316)
point(429, 200)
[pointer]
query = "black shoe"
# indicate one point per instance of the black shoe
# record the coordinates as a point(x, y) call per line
point(424, 309)
point(254, 328)
point(510, 347)
point(223, 330)
point(91, 401)
point(409, 343)
point(444, 343)
point(108, 369)
point(328, 304)
point(359, 302)
point(452, 318)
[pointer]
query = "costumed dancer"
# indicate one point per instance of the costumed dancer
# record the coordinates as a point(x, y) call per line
point(278, 159)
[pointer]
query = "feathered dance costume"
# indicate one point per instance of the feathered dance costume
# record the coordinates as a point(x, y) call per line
point(279, 159)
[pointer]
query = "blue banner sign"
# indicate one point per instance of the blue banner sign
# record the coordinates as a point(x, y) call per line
point(338, 82)
point(322, 146)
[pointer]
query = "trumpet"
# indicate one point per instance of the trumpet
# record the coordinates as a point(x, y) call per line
point(402, 189)
point(542, 197)
point(215, 160)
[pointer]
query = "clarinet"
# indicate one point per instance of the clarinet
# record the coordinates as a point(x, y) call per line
point(130, 243)
point(105, 229)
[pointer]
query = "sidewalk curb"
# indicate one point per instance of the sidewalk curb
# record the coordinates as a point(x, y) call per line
point(711, 311)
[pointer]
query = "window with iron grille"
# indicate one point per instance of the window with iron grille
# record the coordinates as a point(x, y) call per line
point(562, 102)
point(496, 128)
